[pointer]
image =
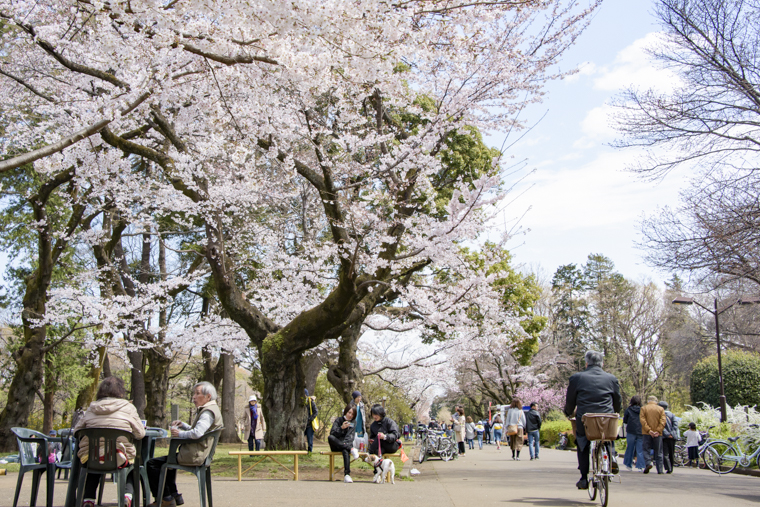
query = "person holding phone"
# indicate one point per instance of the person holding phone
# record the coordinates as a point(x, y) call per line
point(341, 439)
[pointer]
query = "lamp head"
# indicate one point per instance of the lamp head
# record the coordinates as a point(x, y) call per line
point(680, 300)
point(750, 300)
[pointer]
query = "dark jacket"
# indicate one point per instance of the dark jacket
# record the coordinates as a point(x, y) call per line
point(631, 420)
point(671, 428)
point(346, 436)
point(387, 426)
point(532, 420)
point(592, 391)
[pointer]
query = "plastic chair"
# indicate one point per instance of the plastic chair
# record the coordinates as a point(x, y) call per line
point(106, 463)
point(201, 472)
point(67, 444)
point(33, 457)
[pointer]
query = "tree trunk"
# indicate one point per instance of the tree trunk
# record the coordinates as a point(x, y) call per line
point(229, 434)
point(87, 394)
point(48, 403)
point(156, 388)
point(346, 376)
point(23, 388)
point(312, 363)
point(137, 381)
point(284, 403)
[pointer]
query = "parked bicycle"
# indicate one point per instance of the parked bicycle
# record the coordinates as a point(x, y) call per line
point(682, 452)
point(723, 456)
point(562, 442)
point(436, 443)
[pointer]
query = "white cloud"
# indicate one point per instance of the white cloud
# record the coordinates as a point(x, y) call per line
point(584, 69)
point(634, 67)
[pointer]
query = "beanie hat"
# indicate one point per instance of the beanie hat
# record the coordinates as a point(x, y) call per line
point(355, 394)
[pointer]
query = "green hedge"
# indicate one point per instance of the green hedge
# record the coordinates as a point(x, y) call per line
point(741, 379)
point(550, 433)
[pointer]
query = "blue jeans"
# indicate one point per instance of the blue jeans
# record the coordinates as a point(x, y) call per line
point(310, 436)
point(533, 443)
point(497, 435)
point(251, 442)
point(634, 444)
point(471, 443)
point(480, 440)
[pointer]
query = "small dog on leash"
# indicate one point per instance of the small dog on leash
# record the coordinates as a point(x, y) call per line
point(385, 470)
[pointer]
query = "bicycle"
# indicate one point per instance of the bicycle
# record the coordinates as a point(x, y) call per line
point(602, 438)
point(435, 443)
point(722, 457)
point(562, 441)
point(682, 452)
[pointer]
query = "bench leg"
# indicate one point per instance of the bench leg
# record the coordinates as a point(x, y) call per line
point(240, 468)
point(295, 465)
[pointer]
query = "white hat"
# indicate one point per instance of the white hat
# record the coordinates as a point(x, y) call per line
point(252, 398)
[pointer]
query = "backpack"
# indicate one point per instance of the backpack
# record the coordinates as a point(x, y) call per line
point(670, 430)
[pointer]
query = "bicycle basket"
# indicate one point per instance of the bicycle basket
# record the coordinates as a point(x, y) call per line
point(600, 426)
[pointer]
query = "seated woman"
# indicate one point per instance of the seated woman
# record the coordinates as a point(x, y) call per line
point(110, 410)
point(383, 430)
point(341, 439)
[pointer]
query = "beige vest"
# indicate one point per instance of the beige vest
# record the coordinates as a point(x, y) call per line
point(195, 454)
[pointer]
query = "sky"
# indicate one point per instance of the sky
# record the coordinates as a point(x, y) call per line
point(579, 199)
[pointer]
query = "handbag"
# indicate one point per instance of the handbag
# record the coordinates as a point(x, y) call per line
point(622, 432)
point(315, 424)
point(511, 430)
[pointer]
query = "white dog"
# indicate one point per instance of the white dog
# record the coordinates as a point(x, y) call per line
point(385, 469)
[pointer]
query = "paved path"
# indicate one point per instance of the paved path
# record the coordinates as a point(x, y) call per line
point(482, 478)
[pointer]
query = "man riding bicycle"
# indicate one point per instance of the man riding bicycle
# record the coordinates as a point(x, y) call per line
point(593, 391)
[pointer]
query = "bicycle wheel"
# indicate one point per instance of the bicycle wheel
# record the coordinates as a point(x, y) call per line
point(594, 468)
point(721, 457)
point(604, 484)
point(423, 451)
point(681, 455)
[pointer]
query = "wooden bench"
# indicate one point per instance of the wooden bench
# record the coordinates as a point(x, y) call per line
point(332, 455)
point(271, 455)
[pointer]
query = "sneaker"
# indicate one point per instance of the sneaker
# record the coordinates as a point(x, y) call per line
point(630, 469)
point(164, 503)
point(532, 458)
point(518, 458)
point(178, 499)
point(354, 454)
point(127, 500)
point(347, 479)
point(88, 503)
point(582, 484)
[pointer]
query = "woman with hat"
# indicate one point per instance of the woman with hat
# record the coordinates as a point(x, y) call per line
point(254, 423)
point(360, 436)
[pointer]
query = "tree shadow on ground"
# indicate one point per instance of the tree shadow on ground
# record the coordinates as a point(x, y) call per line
point(548, 502)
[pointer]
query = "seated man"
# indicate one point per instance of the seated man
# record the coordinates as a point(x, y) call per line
point(208, 419)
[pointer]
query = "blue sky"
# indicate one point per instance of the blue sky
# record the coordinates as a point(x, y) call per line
point(580, 199)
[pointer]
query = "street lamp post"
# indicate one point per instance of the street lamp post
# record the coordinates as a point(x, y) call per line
point(680, 300)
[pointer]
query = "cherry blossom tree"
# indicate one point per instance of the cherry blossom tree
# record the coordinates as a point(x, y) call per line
point(243, 107)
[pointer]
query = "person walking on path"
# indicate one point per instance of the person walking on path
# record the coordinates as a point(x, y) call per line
point(479, 431)
point(652, 424)
point(208, 419)
point(458, 427)
point(670, 435)
point(110, 410)
point(515, 423)
point(498, 427)
point(533, 427)
point(360, 433)
point(594, 391)
point(311, 411)
point(341, 439)
point(634, 440)
point(692, 444)
point(253, 419)
point(469, 433)
point(487, 431)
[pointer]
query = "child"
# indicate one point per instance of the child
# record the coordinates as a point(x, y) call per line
point(692, 444)
point(480, 429)
point(469, 430)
